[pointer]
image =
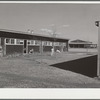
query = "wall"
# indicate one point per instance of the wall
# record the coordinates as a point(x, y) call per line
point(47, 48)
point(10, 49)
point(35, 48)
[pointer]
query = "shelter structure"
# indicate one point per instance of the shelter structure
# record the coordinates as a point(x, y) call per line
point(22, 42)
point(81, 44)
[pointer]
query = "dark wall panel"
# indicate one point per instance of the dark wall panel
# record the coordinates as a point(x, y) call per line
point(65, 49)
point(10, 49)
point(86, 66)
point(47, 48)
point(57, 48)
point(35, 48)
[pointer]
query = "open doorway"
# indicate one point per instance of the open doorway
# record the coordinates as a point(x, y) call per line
point(25, 46)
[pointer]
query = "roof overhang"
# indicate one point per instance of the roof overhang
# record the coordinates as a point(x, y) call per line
point(80, 43)
point(23, 35)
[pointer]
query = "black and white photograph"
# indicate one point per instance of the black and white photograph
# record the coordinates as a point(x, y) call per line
point(49, 45)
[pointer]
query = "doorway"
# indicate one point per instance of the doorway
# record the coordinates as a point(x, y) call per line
point(25, 46)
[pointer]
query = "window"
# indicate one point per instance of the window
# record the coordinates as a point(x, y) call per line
point(32, 42)
point(12, 41)
point(18, 41)
point(48, 43)
point(60, 43)
point(45, 43)
point(37, 42)
point(8, 41)
point(42, 42)
point(29, 41)
point(56, 43)
point(21, 42)
point(64, 44)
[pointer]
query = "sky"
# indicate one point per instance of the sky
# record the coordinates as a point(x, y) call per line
point(71, 21)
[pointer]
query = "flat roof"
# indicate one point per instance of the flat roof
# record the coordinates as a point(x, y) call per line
point(25, 35)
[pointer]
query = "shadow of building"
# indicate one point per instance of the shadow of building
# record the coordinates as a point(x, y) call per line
point(86, 66)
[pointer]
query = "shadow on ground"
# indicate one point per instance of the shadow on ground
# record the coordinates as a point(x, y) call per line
point(86, 66)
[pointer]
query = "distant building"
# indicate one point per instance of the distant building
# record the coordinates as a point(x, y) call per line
point(81, 44)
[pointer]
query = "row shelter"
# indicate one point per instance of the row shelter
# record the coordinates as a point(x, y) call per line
point(21, 42)
point(81, 44)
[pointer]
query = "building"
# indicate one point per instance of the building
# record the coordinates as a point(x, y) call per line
point(81, 44)
point(22, 42)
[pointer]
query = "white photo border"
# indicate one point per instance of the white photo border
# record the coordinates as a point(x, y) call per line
point(54, 93)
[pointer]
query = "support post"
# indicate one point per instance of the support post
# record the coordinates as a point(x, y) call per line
point(67, 46)
point(97, 23)
point(25, 47)
point(62, 47)
point(53, 44)
point(98, 67)
point(41, 47)
point(3, 46)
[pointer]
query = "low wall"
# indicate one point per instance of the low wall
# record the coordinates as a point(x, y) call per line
point(86, 66)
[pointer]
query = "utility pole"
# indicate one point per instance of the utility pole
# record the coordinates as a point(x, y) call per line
point(97, 23)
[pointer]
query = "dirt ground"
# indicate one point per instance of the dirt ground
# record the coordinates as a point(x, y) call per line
point(32, 71)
